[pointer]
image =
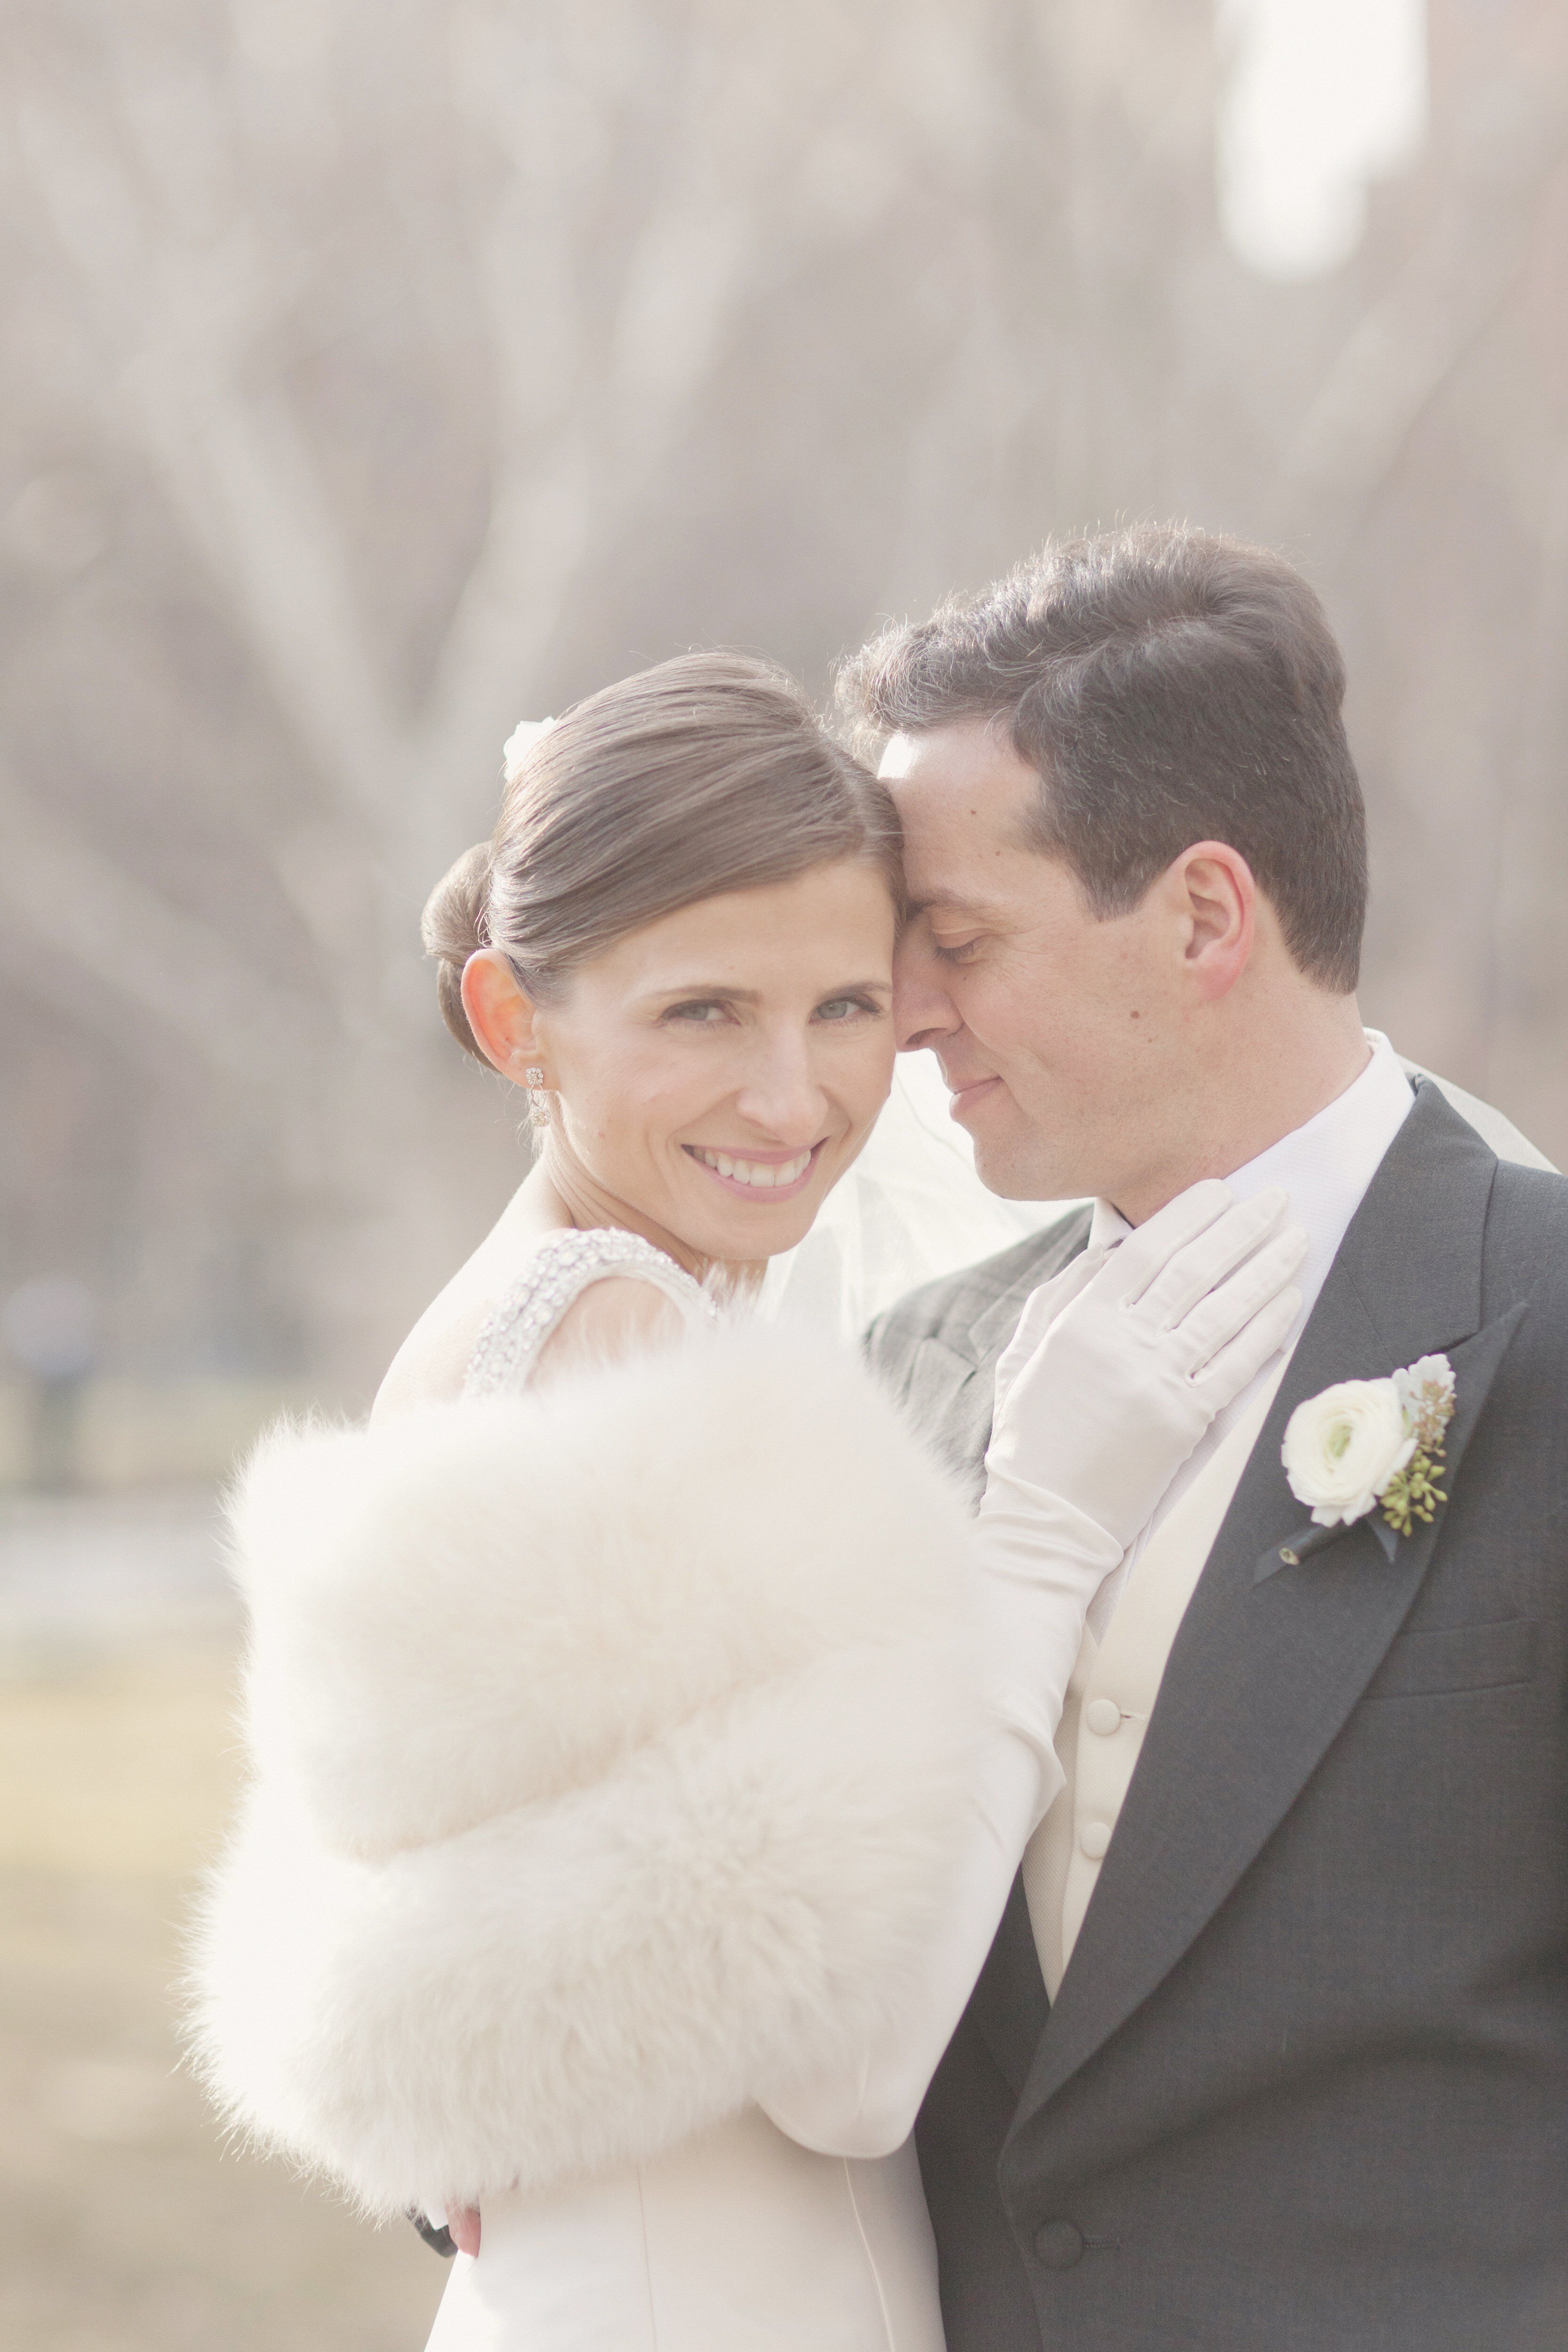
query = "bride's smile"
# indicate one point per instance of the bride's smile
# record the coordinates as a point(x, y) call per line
point(751, 1172)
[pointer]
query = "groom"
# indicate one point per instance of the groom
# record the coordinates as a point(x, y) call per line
point(1271, 2050)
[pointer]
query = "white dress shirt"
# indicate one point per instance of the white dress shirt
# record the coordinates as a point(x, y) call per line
point(1326, 1167)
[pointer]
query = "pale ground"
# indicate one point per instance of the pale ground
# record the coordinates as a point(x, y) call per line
point(125, 2225)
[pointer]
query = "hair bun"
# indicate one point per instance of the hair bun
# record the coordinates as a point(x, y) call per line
point(453, 927)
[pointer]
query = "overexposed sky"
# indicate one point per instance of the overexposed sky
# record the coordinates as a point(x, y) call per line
point(1318, 99)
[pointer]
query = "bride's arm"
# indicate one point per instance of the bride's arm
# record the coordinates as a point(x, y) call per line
point(1116, 1370)
point(875, 2112)
point(1037, 1571)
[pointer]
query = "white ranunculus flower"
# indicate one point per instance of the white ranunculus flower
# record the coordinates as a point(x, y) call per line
point(1342, 1447)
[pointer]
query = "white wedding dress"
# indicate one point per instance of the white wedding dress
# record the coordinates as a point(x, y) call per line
point(741, 2239)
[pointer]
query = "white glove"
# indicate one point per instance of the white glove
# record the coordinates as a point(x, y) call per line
point(1119, 1364)
point(1116, 1370)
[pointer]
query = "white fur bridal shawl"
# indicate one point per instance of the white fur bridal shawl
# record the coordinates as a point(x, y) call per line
point(609, 1748)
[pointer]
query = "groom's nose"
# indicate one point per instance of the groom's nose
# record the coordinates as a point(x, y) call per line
point(923, 1012)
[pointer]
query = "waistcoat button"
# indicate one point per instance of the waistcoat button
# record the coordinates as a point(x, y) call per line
point(1060, 2244)
point(1103, 1716)
point(1095, 1839)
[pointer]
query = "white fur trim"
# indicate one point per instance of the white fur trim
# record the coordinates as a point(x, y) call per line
point(612, 1745)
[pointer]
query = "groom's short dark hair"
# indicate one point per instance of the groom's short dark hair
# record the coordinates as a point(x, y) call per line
point(1170, 687)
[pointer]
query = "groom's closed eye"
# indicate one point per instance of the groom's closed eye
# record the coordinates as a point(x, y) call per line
point(952, 928)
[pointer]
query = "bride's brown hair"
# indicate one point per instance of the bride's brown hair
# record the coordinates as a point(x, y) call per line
point(706, 774)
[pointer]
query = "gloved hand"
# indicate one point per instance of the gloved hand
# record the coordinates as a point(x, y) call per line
point(1119, 1364)
point(1116, 1370)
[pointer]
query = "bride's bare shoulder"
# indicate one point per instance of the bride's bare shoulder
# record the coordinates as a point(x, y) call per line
point(615, 1315)
point(433, 1362)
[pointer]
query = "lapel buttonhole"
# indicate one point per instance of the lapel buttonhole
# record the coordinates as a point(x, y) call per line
point(1308, 1541)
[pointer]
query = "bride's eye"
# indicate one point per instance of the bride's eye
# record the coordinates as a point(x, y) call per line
point(702, 1011)
point(844, 1008)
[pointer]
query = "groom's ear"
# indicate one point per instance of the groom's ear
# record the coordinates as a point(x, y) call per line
point(1213, 897)
point(500, 1014)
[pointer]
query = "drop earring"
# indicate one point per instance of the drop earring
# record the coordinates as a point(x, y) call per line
point(534, 1077)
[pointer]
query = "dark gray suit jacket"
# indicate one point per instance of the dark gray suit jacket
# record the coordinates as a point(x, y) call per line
point(1305, 2084)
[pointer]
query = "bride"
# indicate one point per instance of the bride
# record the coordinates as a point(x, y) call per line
point(645, 1738)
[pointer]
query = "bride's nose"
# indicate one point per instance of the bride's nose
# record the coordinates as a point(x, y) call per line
point(779, 1091)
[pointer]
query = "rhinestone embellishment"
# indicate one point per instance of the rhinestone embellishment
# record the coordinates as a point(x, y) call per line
point(562, 1267)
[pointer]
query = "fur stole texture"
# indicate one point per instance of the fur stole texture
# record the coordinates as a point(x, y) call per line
point(610, 1748)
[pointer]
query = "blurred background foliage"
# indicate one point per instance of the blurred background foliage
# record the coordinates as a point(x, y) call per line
point(380, 372)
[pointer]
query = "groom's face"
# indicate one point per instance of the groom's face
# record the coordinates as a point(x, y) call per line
point(1056, 1029)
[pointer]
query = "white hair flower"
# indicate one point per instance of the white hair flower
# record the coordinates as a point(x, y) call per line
point(520, 743)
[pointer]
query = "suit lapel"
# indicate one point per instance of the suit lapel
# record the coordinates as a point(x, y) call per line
point(1008, 2006)
point(1271, 1657)
point(948, 1400)
point(949, 1389)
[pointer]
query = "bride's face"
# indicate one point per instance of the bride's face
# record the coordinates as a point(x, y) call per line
point(718, 1070)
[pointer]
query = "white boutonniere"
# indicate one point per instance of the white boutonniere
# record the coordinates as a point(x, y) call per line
point(1373, 1443)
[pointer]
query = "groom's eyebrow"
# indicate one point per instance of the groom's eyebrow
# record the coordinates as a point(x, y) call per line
point(951, 902)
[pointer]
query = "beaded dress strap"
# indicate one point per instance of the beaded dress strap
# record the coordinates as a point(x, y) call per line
point(560, 1270)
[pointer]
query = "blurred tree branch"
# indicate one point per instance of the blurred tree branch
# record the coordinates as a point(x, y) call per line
point(166, 963)
point(409, 372)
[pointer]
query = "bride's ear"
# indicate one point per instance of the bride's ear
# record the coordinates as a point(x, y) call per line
point(501, 1014)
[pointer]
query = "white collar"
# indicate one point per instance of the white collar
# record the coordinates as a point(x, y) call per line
point(1326, 1165)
